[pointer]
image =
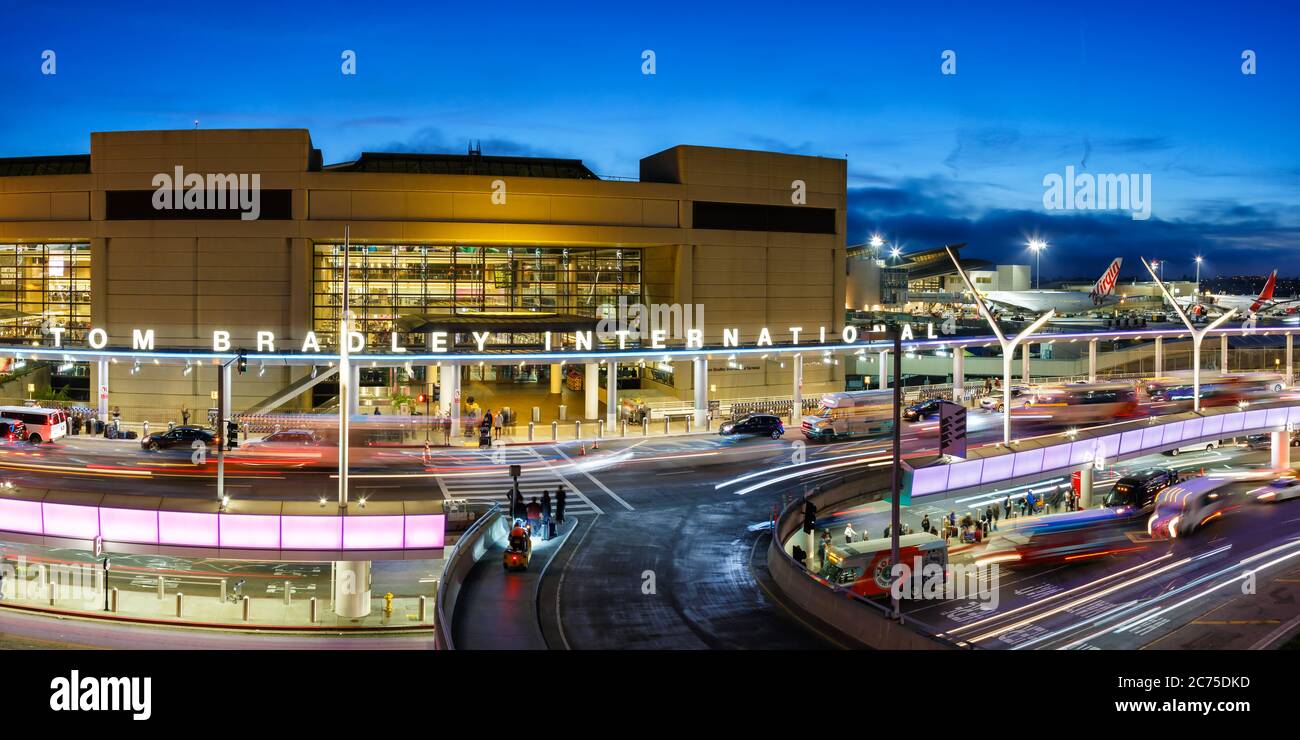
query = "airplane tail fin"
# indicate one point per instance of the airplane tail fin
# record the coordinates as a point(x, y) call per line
point(1106, 285)
point(1266, 294)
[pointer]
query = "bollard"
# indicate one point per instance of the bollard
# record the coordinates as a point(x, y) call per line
point(424, 608)
point(112, 603)
point(248, 609)
point(564, 412)
point(180, 603)
point(146, 429)
point(665, 423)
point(537, 413)
point(555, 431)
point(708, 422)
point(312, 610)
point(645, 426)
point(223, 590)
point(688, 425)
point(622, 432)
point(600, 429)
point(162, 587)
point(288, 594)
point(53, 587)
point(530, 429)
point(577, 429)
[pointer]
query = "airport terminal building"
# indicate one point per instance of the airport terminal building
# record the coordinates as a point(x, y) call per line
point(518, 245)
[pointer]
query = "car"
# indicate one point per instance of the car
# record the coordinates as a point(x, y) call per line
point(1198, 447)
point(923, 409)
point(1265, 441)
point(765, 425)
point(1283, 489)
point(991, 403)
point(289, 438)
point(12, 430)
point(182, 436)
point(1182, 509)
point(1137, 491)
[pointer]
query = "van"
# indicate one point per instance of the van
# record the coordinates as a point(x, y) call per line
point(1138, 491)
point(43, 425)
point(1182, 509)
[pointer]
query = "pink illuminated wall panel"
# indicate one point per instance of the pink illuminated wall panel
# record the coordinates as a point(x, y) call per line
point(185, 528)
point(69, 520)
point(250, 530)
point(129, 525)
point(425, 530)
point(372, 532)
point(20, 516)
point(311, 532)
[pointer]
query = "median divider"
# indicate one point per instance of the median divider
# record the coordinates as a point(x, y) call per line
point(490, 529)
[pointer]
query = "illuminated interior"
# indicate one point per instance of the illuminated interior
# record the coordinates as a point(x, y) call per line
point(44, 284)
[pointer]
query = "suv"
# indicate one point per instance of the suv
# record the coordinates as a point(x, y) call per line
point(178, 437)
point(923, 409)
point(1139, 489)
point(766, 425)
point(12, 430)
point(290, 438)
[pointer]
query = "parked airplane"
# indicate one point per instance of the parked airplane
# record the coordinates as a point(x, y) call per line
point(1064, 301)
point(1246, 306)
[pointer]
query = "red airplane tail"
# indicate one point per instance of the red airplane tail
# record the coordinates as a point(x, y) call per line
point(1266, 294)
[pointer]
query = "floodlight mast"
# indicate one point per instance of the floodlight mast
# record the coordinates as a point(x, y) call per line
point(1197, 336)
point(1008, 345)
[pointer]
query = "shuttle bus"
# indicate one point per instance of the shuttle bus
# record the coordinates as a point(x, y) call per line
point(864, 567)
point(1079, 403)
point(851, 414)
point(43, 425)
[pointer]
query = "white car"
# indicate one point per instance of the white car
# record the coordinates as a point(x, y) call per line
point(1284, 488)
point(991, 403)
point(1198, 447)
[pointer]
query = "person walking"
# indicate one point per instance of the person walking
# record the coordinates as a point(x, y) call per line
point(559, 504)
point(849, 534)
point(534, 514)
point(925, 523)
point(185, 416)
point(546, 513)
point(995, 517)
point(1006, 507)
point(497, 421)
point(824, 547)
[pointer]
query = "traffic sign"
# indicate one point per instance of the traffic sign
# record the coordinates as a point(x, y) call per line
point(952, 429)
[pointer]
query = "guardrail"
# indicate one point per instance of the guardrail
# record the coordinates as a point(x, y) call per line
point(469, 549)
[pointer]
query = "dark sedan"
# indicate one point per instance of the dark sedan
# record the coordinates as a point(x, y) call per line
point(178, 437)
point(764, 425)
point(924, 409)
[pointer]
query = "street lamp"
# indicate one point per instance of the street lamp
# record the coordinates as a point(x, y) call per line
point(895, 252)
point(1037, 245)
point(877, 241)
point(1199, 260)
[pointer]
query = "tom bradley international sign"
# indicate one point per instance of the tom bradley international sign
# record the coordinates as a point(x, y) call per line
point(145, 339)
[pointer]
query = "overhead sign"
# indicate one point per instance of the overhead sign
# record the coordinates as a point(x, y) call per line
point(952, 429)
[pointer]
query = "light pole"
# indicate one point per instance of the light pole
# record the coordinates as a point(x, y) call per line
point(345, 377)
point(895, 253)
point(1008, 345)
point(1037, 245)
point(877, 241)
point(1199, 260)
point(1197, 336)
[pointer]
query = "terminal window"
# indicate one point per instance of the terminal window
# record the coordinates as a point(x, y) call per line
point(44, 286)
point(388, 281)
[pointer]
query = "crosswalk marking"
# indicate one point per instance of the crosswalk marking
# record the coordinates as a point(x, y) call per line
point(536, 478)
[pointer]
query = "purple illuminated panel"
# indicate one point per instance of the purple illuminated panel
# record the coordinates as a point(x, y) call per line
point(1110, 445)
point(965, 474)
point(428, 531)
point(1130, 442)
point(1276, 417)
point(185, 528)
point(929, 480)
point(1202, 427)
point(997, 468)
point(1294, 418)
point(311, 532)
point(20, 516)
point(1151, 437)
point(1255, 419)
point(1056, 456)
point(1173, 432)
point(1028, 462)
point(67, 520)
point(1232, 422)
point(250, 530)
point(373, 532)
point(129, 525)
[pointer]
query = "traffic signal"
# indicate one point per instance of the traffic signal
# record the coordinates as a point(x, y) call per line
point(421, 398)
point(952, 429)
point(809, 517)
point(242, 362)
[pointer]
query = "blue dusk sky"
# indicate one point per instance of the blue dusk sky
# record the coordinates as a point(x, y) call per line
point(1109, 87)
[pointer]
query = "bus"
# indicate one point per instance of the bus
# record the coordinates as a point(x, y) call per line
point(43, 425)
point(1079, 403)
point(864, 567)
point(851, 414)
point(1216, 390)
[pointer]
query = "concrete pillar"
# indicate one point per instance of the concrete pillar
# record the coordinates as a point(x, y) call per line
point(1290, 340)
point(611, 395)
point(884, 370)
point(701, 382)
point(1160, 356)
point(591, 390)
point(101, 381)
point(1024, 363)
point(1223, 353)
point(1085, 487)
point(226, 383)
point(354, 397)
point(796, 391)
point(958, 373)
point(449, 396)
point(352, 588)
point(557, 379)
point(1092, 360)
point(1281, 443)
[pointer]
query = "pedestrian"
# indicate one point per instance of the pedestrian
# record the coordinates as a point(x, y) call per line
point(995, 517)
point(1006, 507)
point(185, 416)
point(825, 546)
point(376, 411)
point(849, 534)
point(559, 504)
point(925, 523)
point(497, 421)
point(546, 513)
point(426, 457)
